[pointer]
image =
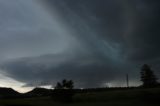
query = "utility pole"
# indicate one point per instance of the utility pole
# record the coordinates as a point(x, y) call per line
point(127, 80)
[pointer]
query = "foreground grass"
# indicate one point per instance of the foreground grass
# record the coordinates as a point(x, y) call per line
point(139, 97)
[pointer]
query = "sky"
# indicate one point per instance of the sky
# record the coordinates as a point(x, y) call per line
point(93, 42)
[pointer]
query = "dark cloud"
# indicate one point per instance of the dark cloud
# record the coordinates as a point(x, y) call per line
point(92, 42)
point(131, 23)
point(144, 41)
point(87, 70)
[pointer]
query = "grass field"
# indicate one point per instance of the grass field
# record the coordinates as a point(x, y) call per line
point(132, 97)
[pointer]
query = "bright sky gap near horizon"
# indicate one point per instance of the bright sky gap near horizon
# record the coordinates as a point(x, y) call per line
point(93, 42)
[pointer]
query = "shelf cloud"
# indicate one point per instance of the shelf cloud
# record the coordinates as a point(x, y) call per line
point(92, 42)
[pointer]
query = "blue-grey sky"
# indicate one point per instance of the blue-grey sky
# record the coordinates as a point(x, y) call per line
point(94, 42)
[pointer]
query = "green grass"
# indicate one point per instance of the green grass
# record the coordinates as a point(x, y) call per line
point(138, 97)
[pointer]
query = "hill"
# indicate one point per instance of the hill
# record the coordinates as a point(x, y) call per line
point(38, 92)
point(8, 93)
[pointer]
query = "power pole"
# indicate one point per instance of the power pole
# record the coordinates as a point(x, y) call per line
point(127, 80)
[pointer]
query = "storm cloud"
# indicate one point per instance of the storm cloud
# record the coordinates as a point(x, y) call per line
point(93, 42)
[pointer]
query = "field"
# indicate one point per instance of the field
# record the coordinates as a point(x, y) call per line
point(130, 97)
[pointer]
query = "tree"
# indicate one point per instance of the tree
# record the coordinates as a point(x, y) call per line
point(147, 76)
point(58, 86)
point(65, 84)
point(63, 91)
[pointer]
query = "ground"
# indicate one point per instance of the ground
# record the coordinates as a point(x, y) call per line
point(131, 97)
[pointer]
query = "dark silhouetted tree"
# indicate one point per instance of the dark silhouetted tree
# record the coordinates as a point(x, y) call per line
point(63, 91)
point(65, 84)
point(147, 76)
point(58, 86)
